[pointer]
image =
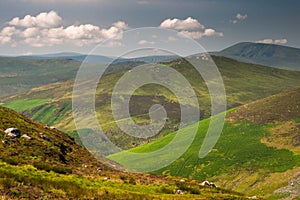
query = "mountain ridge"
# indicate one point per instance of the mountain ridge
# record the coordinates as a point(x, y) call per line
point(273, 55)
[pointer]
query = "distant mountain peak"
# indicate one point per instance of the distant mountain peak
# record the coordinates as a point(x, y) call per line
point(272, 55)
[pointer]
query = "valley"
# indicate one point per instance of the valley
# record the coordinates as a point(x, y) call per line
point(253, 150)
point(256, 156)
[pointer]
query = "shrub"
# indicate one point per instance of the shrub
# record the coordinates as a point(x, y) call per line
point(123, 178)
point(56, 169)
point(132, 181)
point(193, 190)
point(62, 170)
point(7, 183)
point(166, 190)
point(42, 166)
point(9, 161)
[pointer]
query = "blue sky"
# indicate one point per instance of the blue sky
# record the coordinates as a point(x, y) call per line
point(78, 25)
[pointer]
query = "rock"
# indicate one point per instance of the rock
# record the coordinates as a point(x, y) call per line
point(13, 132)
point(5, 142)
point(179, 192)
point(26, 137)
point(207, 183)
point(212, 185)
point(99, 169)
point(45, 137)
point(84, 166)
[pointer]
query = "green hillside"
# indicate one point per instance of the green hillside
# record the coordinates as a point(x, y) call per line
point(257, 153)
point(243, 83)
point(20, 74)
point(58, 168)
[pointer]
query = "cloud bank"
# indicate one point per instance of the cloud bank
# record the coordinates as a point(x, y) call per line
point(46, 29)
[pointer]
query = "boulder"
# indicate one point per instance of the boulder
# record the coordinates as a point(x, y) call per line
point(26, 137)
point(207, 183)
point(13, 132)
point(178, 192)
point(5, 142)
point(45, 137)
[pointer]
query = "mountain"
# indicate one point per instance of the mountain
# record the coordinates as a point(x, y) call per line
point(27, 72)
point(52, 55)
point(99, 58)
point(73, 56)
point(257, 153)
point(48, 164)
point(244, 82)
point(20, 74)
point(265, 54)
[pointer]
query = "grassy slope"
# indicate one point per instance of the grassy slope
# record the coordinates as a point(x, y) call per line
point(20, 74)
point(250, 155)
point(243, 82)
point(53, 170)
point(21, 105)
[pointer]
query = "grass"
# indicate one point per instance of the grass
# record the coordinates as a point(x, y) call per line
point(238, 146)
point(258, 147)
point(29, 182)
point(20, 74)
point(238, 150)
point(20, 105)
point(60, 169)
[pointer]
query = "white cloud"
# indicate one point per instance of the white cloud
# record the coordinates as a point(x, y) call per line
point(112, 32)
point(43, 20)
point(212, 32)
point(145, 42)
point(197, 34)
point(239, 17)
point(280, 41)
point(177, 24)
point(265, 41)
point(271, 41)
point(30, 32)
point(192, 34)
point(8, 31)
point(86, 31)
point(5, 39)
point(46, 29)
point(121, 25)
point(6, 35)
point(189, 28)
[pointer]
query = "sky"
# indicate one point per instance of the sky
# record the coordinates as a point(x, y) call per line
point(49, 26)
